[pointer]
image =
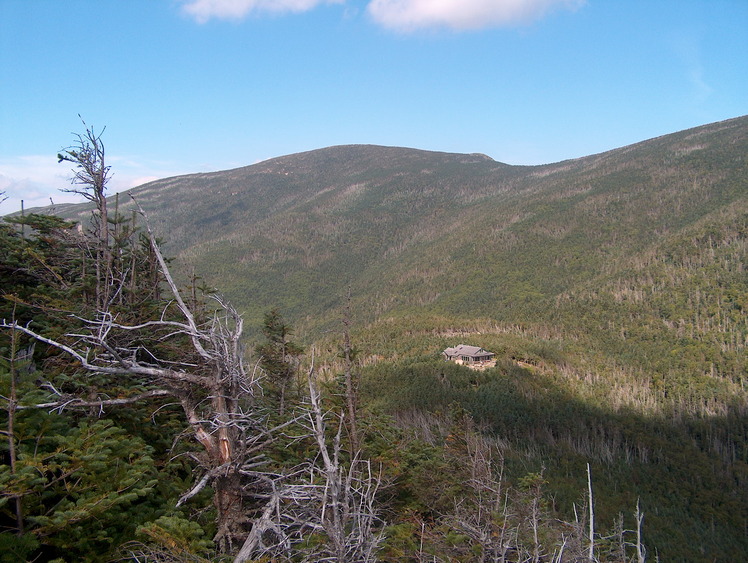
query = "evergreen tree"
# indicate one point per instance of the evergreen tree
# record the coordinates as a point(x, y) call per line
point(279, 356)
point(70, 486)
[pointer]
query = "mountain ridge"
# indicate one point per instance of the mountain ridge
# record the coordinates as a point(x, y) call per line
point(294, 231)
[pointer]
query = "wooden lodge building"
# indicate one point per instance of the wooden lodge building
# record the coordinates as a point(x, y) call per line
point(471, 356)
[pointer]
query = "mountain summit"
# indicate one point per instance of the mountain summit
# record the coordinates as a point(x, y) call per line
point(453, 233)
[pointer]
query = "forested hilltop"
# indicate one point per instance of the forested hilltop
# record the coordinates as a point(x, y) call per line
point(612, 289)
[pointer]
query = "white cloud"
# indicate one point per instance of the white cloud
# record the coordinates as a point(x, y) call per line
point(403, 15)
point(204, 10)
point(31, 193)
point(33, 179)
point(408, 15)
point(39, 179)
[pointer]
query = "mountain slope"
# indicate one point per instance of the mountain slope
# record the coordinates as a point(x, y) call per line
point(618, 281)
point(449, 233)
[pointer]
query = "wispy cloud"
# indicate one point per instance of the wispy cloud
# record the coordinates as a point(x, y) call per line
point(31, 193)
point(204, 10)
point(409, 15)
point(687, 48)
point(38, 180)
point(402, 15)
point(33, 179)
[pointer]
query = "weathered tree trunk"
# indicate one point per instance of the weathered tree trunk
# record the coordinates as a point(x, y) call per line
point(591, 552)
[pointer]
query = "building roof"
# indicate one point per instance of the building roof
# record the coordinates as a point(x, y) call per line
point(465, 350)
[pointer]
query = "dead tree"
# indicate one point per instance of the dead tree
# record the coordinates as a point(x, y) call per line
point(90, 178)
point(16, 358)
point(484, 514)
point(591, 551)
point(209, 380)
point(325, 500)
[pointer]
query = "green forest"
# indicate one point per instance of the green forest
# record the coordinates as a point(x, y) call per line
point(255, 374)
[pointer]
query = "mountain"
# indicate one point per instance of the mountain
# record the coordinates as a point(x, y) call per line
point(613, 288)
point(449, 233)
point(640, 248)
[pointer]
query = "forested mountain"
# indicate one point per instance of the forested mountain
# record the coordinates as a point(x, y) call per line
point(448, 233)
point(613, 289)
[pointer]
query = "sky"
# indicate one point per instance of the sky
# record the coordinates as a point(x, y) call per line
point(184, 86)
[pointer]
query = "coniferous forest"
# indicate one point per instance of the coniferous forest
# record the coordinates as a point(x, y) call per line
point(246, 365)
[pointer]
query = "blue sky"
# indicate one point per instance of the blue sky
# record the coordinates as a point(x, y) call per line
point(199, 85)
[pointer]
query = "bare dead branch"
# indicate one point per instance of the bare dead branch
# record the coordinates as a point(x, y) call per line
point(75, 402)
point(209, 381)
point(173, 286)
point(201, 484)
point(322, 497)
